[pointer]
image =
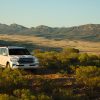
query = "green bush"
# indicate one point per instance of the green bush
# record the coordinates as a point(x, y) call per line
point(89, 60)
point(65, 59)
point(24, 94)
point(57, 60)
point(84, 59)
point(87, 71)
point(67, 94)
point(70, 50)
point(48, 86)
point(94, 60)
point(10, 79)
point(7, 97)
point(47, 59)
point(43, 97)
point(89, 76)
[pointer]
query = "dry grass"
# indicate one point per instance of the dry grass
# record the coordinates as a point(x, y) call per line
point(90, 47)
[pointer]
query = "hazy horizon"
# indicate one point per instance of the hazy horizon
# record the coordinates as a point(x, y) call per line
point(50, 26)
point(53, 13)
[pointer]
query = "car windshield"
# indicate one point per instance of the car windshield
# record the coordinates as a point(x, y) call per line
point(18, 51)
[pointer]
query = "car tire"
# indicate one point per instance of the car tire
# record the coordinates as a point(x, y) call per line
point(8, 65)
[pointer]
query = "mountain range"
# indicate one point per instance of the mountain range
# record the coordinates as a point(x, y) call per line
point(88, 32)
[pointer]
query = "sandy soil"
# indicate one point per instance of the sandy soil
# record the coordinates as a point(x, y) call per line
point(84, 46)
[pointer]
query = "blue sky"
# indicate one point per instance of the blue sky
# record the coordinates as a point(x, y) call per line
point(54, 13)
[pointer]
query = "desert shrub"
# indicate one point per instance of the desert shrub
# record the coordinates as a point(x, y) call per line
point(89, 60)
point(43, 97)
point(24, 94)
point(74, 59)
point(7, 97)
point(64, 59)
point(84, 59)
point(89, 71)
point(89, 76)
point(70, 50)
point(47, 59)
point(10, 79)
point(57, 60)
point(57, 93)
point(67, 94)
point(94, 60)
point(48, 86)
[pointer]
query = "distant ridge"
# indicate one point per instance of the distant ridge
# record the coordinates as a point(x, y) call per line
point(88, 32)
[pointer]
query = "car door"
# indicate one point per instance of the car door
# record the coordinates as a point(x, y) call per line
point(3, 56)
point(0, 56)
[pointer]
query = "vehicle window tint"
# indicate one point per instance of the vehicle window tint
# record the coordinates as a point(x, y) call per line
point(3, 50)
point(0, 51)
point(18, 52)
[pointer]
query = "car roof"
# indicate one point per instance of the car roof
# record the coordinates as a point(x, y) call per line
point(11, 47)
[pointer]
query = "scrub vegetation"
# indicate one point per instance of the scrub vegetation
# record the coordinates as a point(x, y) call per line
point(63, 75)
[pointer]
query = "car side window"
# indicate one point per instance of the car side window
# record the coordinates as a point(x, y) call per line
point(0, 51)
point(3, 51)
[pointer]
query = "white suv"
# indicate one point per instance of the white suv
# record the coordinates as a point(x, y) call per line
point(17, 57)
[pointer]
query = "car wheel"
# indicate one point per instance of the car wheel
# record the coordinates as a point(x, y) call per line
point(8, 65)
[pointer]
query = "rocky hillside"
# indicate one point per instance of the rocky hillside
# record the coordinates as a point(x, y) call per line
point(88, 32)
